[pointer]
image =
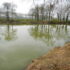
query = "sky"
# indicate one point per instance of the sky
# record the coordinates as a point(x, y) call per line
point(23, 6)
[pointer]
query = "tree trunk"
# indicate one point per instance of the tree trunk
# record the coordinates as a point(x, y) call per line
point(67, 17)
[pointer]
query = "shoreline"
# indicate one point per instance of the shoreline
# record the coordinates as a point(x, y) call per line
point(56, 59)
point(9, 23)
point(33, 22)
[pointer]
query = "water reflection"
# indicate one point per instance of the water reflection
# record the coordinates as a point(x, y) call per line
point(30, 42)
point(51, 34)
point(8, 33)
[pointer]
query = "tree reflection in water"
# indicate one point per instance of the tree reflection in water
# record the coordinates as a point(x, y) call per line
point(8, 33)
point(50, 34)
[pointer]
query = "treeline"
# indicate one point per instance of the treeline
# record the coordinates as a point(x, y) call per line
point(50, 10)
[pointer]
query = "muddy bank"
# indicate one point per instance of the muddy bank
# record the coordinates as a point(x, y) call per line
point(56, 59)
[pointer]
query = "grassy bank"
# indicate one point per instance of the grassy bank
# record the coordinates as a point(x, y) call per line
point(30, 21)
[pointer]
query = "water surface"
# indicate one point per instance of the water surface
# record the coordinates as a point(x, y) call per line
point(19, 44)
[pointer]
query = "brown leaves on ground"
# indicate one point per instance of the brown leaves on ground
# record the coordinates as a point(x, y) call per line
point(56, 59)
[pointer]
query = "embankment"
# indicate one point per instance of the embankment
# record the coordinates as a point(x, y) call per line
point(56, 59)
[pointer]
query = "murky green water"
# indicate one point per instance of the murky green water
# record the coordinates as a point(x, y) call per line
point(20, 44)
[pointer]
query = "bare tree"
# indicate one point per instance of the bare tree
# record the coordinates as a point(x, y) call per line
point(9, 9)
point(42, 12)
point(51, 8)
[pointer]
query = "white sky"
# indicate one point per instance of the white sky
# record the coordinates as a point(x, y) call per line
point(23, 6)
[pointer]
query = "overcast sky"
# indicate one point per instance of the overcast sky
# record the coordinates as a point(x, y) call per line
point(23, 6)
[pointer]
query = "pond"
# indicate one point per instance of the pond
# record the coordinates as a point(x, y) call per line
point(20, 44)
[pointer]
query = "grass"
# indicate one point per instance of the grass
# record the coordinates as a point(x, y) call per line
point(31, 21)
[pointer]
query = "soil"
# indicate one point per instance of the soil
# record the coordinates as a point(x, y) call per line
point(56, 59)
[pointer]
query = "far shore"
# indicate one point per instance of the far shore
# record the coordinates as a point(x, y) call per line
point(28, 22)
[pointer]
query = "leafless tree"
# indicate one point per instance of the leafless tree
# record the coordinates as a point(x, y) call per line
point(50, 8)
point(9, 9)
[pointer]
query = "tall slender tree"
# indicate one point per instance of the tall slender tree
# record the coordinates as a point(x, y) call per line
point(9, 9)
